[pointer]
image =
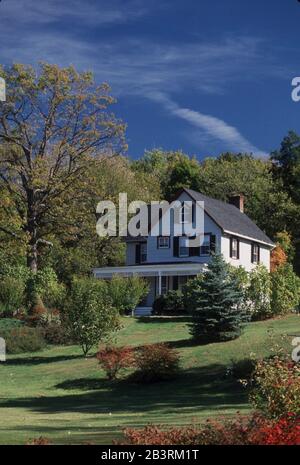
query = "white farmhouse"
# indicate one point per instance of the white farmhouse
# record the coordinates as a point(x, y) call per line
point(167, 262)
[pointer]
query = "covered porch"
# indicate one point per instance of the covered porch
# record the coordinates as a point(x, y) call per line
point(161, 278)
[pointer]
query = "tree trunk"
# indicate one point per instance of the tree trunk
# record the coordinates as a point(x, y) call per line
point(31, 227)
point(32, 258)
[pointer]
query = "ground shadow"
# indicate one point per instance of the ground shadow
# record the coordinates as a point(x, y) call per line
point(40, 360)
point(84, 384)
point(195, 390)
point(164, 319)
point(181, 343)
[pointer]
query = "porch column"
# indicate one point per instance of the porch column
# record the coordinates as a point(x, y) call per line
point(159, 283)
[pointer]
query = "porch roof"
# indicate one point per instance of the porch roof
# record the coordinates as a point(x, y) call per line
point(175, 269)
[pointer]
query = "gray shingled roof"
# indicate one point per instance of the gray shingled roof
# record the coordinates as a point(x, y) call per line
point(230, 218)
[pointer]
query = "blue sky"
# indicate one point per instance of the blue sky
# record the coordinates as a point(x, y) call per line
point(204, 76)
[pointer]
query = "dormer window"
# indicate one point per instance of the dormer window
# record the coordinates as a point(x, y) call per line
point(183, 214)
point(187, 213)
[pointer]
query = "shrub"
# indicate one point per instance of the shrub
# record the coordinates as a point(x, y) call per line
point(43, 289)
point(41, 441)
point(56, 333)
point(242, 370)
point(285, 295)
point(284, 240)
point(258, 293)
point(277, 390)
point(170, 303)
point(126, 293)
point(254, 430)
point(89, 315)
point(215, 301)
point(12, 295)
point(241, 277)
point(155, 362)
point(278, 258)
point(9, 324)
point(155, 435)
point(23, 339)
point(115, 359)
point(188, 292)
point(17, 271)
point(283, 432)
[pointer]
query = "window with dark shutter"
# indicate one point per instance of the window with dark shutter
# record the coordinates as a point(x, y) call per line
point(234, 248)
point(255, 253)
point(212, 244)
point(205, 245)
point(194, 251)
point(143, 258)
point(175, 283)
point(138, 253)
point(176, 246)
point(184, 247)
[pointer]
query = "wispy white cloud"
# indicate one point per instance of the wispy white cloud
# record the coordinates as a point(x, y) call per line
point(90, 12)
point(32, 30)
point(212, 127)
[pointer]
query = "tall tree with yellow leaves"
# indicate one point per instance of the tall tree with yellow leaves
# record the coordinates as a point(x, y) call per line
point(55, 127)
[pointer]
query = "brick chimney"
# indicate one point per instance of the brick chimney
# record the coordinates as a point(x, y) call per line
point(238, 201)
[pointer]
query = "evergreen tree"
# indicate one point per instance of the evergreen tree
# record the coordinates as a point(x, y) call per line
point(215, 301)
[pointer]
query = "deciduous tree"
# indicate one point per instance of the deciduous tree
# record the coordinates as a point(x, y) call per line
point(54, 128)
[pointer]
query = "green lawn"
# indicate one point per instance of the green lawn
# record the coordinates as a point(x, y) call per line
point(59, 394)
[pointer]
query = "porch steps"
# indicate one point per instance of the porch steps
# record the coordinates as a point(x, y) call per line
point(143, 311)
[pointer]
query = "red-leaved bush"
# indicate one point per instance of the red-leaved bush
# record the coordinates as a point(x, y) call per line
point(255, 430)
point(285, 431)
point(41, 441)
point(114, 359)
point(155, 362)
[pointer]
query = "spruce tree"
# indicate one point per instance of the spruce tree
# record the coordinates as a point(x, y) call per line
point(215, 301)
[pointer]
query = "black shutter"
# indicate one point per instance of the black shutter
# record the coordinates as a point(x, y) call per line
point(176, 246)
point(175, 283)
point(138, 253)
point(193, 213)
point(258, 254)
point(212, 244)
point(252, 253)
point(231, 247)
point(194, 251)
point(238, 249)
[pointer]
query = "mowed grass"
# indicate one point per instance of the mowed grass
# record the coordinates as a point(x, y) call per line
point(61, 395)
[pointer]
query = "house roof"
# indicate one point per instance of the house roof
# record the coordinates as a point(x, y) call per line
point(229, 218)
